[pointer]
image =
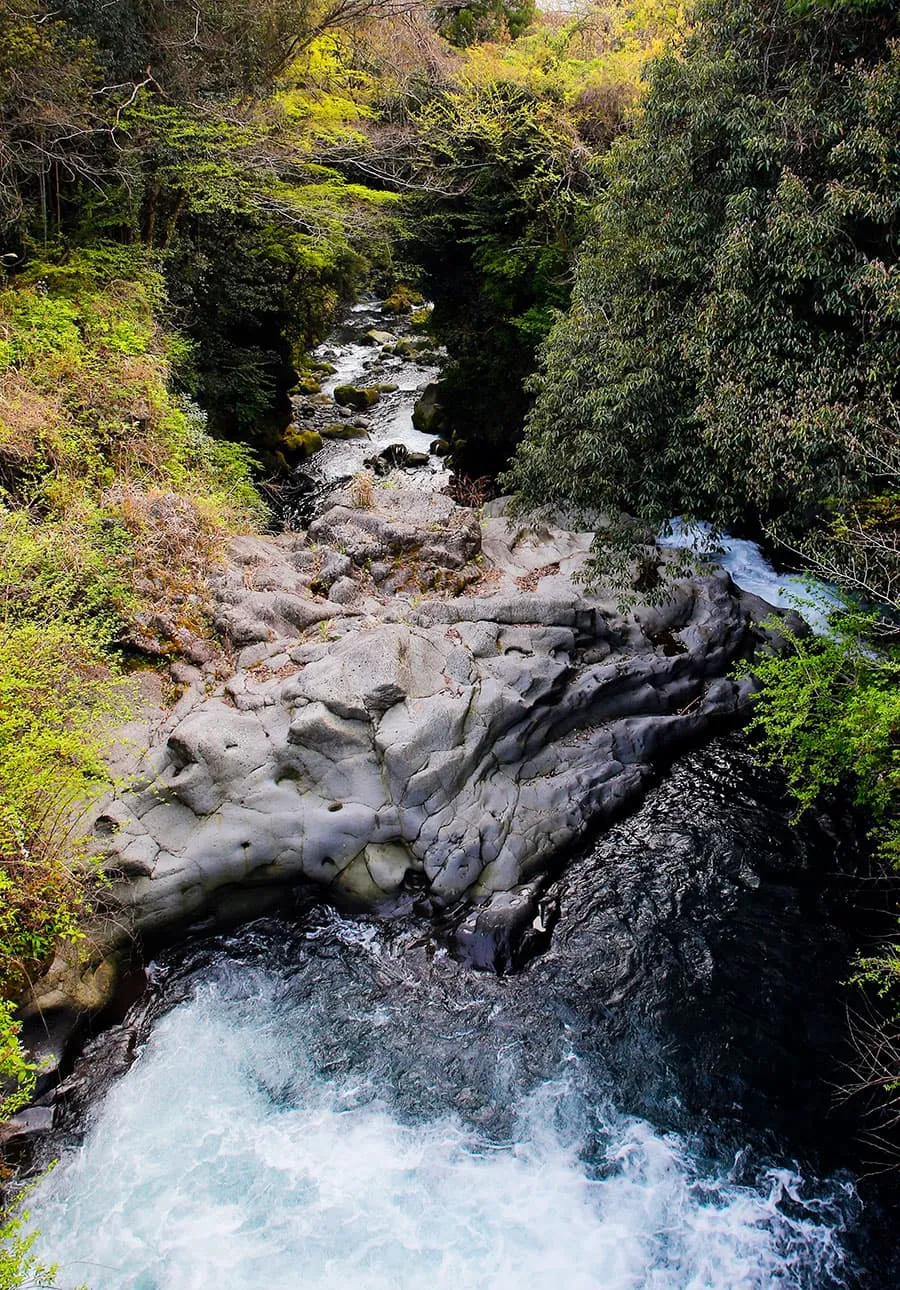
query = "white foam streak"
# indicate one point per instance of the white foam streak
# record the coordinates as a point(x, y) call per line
point(752, 572)
point(223, 1162)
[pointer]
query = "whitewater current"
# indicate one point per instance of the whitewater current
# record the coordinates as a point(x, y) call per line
point(326, 1101)
point(228, 1159)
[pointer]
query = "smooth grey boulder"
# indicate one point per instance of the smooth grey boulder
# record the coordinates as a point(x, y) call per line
point(458, 743)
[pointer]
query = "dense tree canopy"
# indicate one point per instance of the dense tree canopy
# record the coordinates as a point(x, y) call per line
point(733, 348)
point(516, 136)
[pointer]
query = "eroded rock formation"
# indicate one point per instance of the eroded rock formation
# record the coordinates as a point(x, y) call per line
point(416, 699)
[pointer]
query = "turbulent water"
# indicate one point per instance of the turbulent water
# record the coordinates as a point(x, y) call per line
point(321, 1101)
point(752, 571)
point(356, 361)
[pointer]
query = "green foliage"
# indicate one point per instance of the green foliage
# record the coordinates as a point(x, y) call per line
point(19, 1266)
point(478, 20)
point(17, 1074)
point(58, 695)
point(213, 154)
point(829, 713)
point(732, 346)
point(46, 135)
point(113, 502)
point(515, 140)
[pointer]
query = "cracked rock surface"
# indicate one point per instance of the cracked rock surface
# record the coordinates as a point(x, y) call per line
point(417, 699)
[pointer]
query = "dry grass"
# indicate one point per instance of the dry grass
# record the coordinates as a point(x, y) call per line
point(467, 491)
point(362, 491)
point(177, 541)
point(529, 581)
point(26, 416)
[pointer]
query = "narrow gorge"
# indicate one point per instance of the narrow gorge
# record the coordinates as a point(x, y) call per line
point(449, 645)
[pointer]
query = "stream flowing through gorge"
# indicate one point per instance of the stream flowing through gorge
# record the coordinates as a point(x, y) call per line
point(325, 1100)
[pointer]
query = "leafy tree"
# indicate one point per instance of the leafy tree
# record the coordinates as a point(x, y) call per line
point(52, 131)
point(515, 138)
point(19, 1266)
point(829, 713)
point(732, 346)
point(209, 48)
point(465, 24)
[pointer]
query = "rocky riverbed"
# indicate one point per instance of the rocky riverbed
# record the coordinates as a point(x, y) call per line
point(419, 700)
point(411, 714)
point(408, 703)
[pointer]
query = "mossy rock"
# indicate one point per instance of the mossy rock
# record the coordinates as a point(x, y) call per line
point(344, 430)
point(357, 396)
point(301, 443)
point(428, 414)
point(376, 337)
point(322, 369)
point(402, 300)
point(387, 388)
point(441, 448)
point(307, 384)
point(420, 319)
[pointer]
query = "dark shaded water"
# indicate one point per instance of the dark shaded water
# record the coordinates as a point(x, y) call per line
point(320, 1100)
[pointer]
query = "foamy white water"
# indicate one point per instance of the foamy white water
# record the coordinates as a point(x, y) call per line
point(752, 572)
point(225, 1161)
point(357, 362)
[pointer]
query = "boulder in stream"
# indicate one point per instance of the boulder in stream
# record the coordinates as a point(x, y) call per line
point(357, 397)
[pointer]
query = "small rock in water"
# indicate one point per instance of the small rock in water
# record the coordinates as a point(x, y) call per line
point(428, 414)
point(301, 443)
point(394, 455)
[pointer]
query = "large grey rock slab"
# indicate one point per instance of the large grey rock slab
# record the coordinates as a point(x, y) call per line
point(454, 744)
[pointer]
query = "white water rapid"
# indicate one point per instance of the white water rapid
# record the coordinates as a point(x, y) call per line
point(752, 572)
point(226, 1159)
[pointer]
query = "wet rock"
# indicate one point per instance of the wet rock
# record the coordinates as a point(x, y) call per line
point(356, 396)
point(390, 458)
point(26, 1125)
point(395, 456)
point(428, 414)
point(376, 337)
point(402, 300)
point(298, 444)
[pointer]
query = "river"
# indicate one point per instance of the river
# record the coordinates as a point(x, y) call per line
point(320, 1100)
